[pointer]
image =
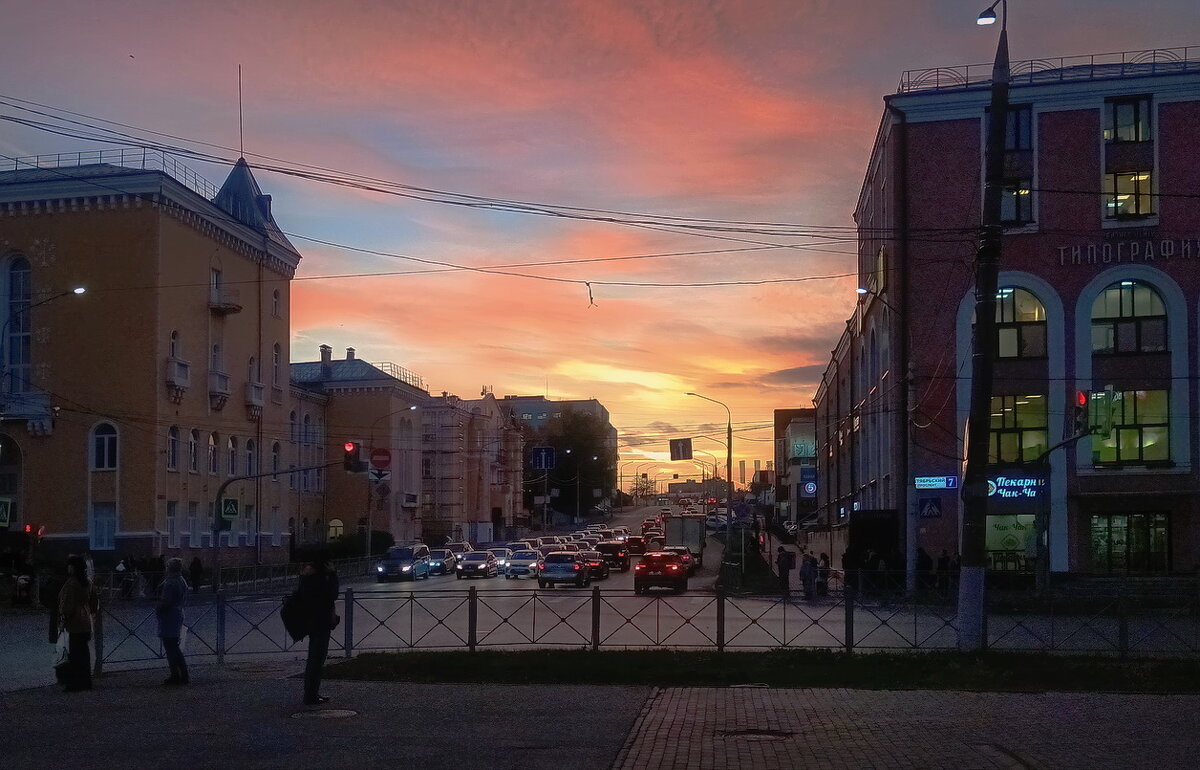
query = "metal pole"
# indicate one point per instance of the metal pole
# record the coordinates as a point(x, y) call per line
point(971, 633)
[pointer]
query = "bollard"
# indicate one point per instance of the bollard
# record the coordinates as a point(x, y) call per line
point(849, 594)
point(720, 620)
point(595, 618)
point(472, 617)
point(220, 628)
point(349, 622)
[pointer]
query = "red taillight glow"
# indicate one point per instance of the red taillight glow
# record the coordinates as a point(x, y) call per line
point(639, 567)
point(672, 566)
point(577, 567)
point(595, 564)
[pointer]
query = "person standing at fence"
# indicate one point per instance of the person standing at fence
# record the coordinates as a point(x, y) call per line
point(196, 571)
point(784, 561)
point(808, 575)
point(318, 592)
point(77, 607)
point(823, 574)
point(172, 595)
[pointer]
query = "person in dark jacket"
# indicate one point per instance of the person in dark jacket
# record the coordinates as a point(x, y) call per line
point(318, 590)
point(169, 610)
point(196, 571)
point(77, 607)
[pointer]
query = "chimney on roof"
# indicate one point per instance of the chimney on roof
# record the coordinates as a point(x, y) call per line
point(326, 362)
point(349, 354)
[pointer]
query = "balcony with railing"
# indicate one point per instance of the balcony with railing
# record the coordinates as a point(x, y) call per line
point(223, 301)
point(218, 389)
point(123, 157)
point(1062, 69)
point(178, 378)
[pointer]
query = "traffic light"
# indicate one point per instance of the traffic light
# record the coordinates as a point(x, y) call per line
point(1080, 423)
point(644, 477)
point(352, 461)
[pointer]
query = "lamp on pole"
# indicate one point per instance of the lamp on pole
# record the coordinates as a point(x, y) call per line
point(371, 448)
point(6, 385)
point(972, 634)
point(728, 464)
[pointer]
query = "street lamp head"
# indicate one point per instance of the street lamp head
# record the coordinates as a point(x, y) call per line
point(689, 394)
point(987, 17)
point(79, 290)
point(861, 290)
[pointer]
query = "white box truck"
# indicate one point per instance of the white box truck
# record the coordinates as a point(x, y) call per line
point(687, 529)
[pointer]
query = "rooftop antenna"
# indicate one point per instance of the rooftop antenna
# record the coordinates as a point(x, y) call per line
point(241, 136)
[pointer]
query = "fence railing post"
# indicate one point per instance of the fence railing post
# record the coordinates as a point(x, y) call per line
point(848, 594)
point(720, 620)
point(98, 640)
point(220, 628)
point(472, 617)
point(1122, 627)
point(348, 620)
point(595, 618)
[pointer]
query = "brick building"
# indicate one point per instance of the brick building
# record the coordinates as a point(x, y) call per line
point(1099, 287)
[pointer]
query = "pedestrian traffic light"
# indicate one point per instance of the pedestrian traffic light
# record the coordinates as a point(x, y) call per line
point(352, 461)
point(1081, 423)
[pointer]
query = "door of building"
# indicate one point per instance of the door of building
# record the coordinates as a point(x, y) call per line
point(1124, 543)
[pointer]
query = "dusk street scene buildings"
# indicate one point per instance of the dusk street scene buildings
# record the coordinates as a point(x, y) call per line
point(740, 329)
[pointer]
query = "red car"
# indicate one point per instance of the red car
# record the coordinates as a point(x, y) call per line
point(660, 569)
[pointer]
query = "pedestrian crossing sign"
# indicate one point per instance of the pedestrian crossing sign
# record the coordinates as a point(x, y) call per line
point(229, 508)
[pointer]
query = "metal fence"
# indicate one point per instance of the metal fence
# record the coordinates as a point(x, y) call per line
point(252, 578)
point(225, 625)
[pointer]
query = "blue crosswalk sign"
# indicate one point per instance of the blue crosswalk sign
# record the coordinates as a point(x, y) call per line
point(543, 458)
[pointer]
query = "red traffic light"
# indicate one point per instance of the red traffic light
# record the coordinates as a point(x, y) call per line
point(1081, 398)
point(28, 529)
point(350, 446)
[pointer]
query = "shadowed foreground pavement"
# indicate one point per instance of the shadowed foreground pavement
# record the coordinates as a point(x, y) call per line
point(245, 715)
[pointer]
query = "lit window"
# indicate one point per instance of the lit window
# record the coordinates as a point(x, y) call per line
point(1018, 432)
point(1128, 194)
point(1129, 317)
point(1016, 202)
point(1020, 324)
point(1127, 120)
point(1140, 431)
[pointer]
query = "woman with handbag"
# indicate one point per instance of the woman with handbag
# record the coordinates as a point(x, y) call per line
point(77, 606)
point(169, 611)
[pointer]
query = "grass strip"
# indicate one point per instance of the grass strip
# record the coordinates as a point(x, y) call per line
point(943, 670)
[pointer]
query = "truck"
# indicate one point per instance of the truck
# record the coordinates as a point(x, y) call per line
point(687, 529)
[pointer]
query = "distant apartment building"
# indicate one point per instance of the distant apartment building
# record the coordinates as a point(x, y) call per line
point(1097, 301)
point(795, 465)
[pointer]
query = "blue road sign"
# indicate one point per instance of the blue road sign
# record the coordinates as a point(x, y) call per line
point(543, 458)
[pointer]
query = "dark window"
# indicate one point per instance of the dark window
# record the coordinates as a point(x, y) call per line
point(1129, 317)
point(1018, 133)
point(1127, 120)
point(1130, 542)
point(17, 338)
point(104, 448)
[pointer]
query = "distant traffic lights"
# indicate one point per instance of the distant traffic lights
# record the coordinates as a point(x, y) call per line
point(1080, 419)
point(352, 461)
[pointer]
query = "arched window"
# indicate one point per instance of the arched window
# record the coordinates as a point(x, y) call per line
point(252, 370)
point(214, 459)
point(231, 448)
point(1020, 324)
point(292, 428)
point(251, 457)
point(275, 461)
point(336, 528)
point(1129, 317)
point(173, 448)
point(276, 363)
point(17, 338)
point(104, 447)
point(275, 307)
point(194, 451)
point(174, 346)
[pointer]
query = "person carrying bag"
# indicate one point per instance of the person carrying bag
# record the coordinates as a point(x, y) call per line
point(77, 607)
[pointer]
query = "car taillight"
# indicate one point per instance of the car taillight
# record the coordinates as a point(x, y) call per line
point(672, 566)
point(595, 564)
point(639, 567)
point(577, 567)
point(539, 565)
point(621, 553)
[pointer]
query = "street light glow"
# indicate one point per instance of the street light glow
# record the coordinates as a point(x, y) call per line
point(861, 290)
point(79, 290)
point(987, 17)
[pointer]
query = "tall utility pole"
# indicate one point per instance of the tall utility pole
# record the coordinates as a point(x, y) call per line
point(972, 631)
point(728, 465)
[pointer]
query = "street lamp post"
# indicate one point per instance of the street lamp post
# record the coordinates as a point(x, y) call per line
point(371, 448)
point(6, 386)
point(728, 464)
point(972, 633)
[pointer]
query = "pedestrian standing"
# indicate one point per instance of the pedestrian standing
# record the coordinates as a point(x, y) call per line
point(318, 592)
point(808, 574)
point(823, 574)
point(172, 595)
point(196, 570)
point(77, 607)
point(784, 561)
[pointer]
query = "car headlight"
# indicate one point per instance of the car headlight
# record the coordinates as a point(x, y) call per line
point(405, 569)
point(379, 568)
point(460, 566)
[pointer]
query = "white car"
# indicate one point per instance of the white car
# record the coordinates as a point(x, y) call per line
point(522, 563)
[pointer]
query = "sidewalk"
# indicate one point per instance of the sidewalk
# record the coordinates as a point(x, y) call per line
point(248, 716)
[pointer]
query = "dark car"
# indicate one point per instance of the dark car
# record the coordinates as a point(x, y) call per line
point(615, 553)
point(403, 562)
point(660, 569)
point(636, 545)
point(477, 564)
point(685, 553)
point(442, 561)
point(460, 547)
point(598, 568)
point(563, 567)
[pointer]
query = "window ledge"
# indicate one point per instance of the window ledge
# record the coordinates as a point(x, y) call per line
point(1020, 228)
point(1117, 223)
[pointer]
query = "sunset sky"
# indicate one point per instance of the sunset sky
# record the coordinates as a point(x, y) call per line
point(759, 111)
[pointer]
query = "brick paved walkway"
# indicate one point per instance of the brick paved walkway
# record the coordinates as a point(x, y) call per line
point(715, 728)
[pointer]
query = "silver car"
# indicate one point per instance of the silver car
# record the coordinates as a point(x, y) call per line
point(522, 563)
point(563, 567)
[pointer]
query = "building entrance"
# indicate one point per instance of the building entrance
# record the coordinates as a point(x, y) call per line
point(1130, 542)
